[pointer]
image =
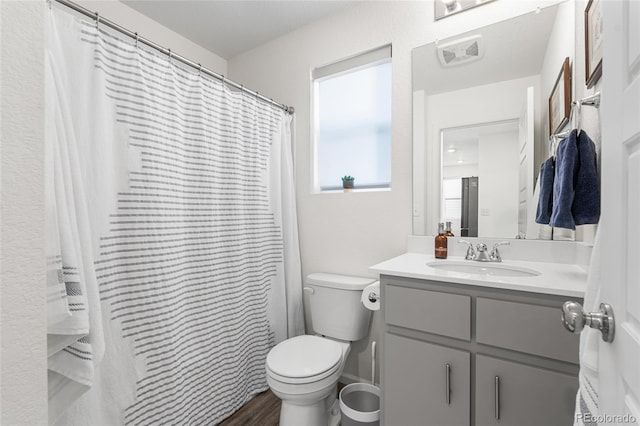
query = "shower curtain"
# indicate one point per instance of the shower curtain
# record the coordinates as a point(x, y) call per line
point(173, 251)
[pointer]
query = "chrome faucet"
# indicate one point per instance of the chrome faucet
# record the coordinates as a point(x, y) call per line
point(495, 254)
point(480, 254)
point(471, 253)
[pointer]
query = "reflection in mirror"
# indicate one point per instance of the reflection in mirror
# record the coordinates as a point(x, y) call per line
point(481, 163)
point(494, 105)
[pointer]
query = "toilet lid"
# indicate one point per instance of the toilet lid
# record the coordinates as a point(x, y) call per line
point(304, 356)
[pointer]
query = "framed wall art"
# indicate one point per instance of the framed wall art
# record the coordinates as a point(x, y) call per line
point(593, 42)
point(560, 99)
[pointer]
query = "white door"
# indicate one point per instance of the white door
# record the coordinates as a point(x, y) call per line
point(620, 223)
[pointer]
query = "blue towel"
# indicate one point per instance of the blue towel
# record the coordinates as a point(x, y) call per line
point(586, 205)
point(545, 202)
point(576, 188)
point(563, 185)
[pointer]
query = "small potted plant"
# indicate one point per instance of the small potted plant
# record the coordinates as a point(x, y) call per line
point(347, 183)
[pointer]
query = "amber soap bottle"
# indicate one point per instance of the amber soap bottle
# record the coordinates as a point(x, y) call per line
point(441, 243)
point(448, 232)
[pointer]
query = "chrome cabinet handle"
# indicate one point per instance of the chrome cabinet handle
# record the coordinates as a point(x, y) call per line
point(447, 388)
point(496, 396)
point(575, 319)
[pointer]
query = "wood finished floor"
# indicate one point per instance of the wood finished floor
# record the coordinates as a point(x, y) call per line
point(261, 410)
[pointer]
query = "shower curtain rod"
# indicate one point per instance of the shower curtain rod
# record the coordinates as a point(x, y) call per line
point(166, 51)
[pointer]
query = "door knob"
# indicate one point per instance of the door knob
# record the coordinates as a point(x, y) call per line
point(575, 319)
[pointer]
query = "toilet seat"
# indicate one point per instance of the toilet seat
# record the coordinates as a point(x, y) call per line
point(304, 359)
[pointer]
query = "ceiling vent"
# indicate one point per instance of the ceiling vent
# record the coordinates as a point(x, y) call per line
point(461, 51)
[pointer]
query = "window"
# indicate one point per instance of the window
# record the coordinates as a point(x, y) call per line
point(352, 121)
point(452, 196)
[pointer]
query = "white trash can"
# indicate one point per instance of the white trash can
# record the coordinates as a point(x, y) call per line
point(360, 405)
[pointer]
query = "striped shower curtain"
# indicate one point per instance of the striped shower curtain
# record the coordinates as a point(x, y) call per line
point(173, 254)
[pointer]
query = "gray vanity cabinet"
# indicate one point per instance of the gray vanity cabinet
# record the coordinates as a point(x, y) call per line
point(465, 355)
point(515, 394)
point(433, 381)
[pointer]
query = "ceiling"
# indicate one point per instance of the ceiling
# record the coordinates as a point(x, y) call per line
point(466, 141)
point(229, 28)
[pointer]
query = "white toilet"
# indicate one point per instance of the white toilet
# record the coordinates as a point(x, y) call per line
point(303, 371)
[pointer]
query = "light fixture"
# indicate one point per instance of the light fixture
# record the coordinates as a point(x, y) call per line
point(452, 6)
point(451, 149)
point(460, 161)
point(444, 8)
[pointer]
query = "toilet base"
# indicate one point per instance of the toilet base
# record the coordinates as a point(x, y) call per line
point(334, 413)
point(325, 412)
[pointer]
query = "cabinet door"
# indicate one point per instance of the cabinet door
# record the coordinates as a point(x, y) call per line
point(509, 393)
point(425, 384)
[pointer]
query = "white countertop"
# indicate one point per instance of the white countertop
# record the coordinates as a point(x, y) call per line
point(555, 278)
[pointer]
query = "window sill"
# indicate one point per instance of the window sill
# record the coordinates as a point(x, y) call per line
point(342, 191)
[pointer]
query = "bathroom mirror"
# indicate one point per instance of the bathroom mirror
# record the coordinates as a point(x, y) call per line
point(479, 122)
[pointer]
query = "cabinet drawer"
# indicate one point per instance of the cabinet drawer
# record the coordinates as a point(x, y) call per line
point(525, 328)
point(430, 311)
point(514, 394)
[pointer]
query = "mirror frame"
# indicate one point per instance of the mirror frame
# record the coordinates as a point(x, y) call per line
point(427, 174)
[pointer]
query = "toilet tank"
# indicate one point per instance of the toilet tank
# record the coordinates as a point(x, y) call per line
point(335, 306)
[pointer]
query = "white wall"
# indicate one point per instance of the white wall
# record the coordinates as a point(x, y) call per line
point(459, 171)
point(590, 116)
point(345, 232)
point(561, 45)
point(23, 381)
point(418, 154)
point(488, 14)
point(134, 21)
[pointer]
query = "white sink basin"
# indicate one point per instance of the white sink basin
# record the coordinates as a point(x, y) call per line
point(481, 268)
